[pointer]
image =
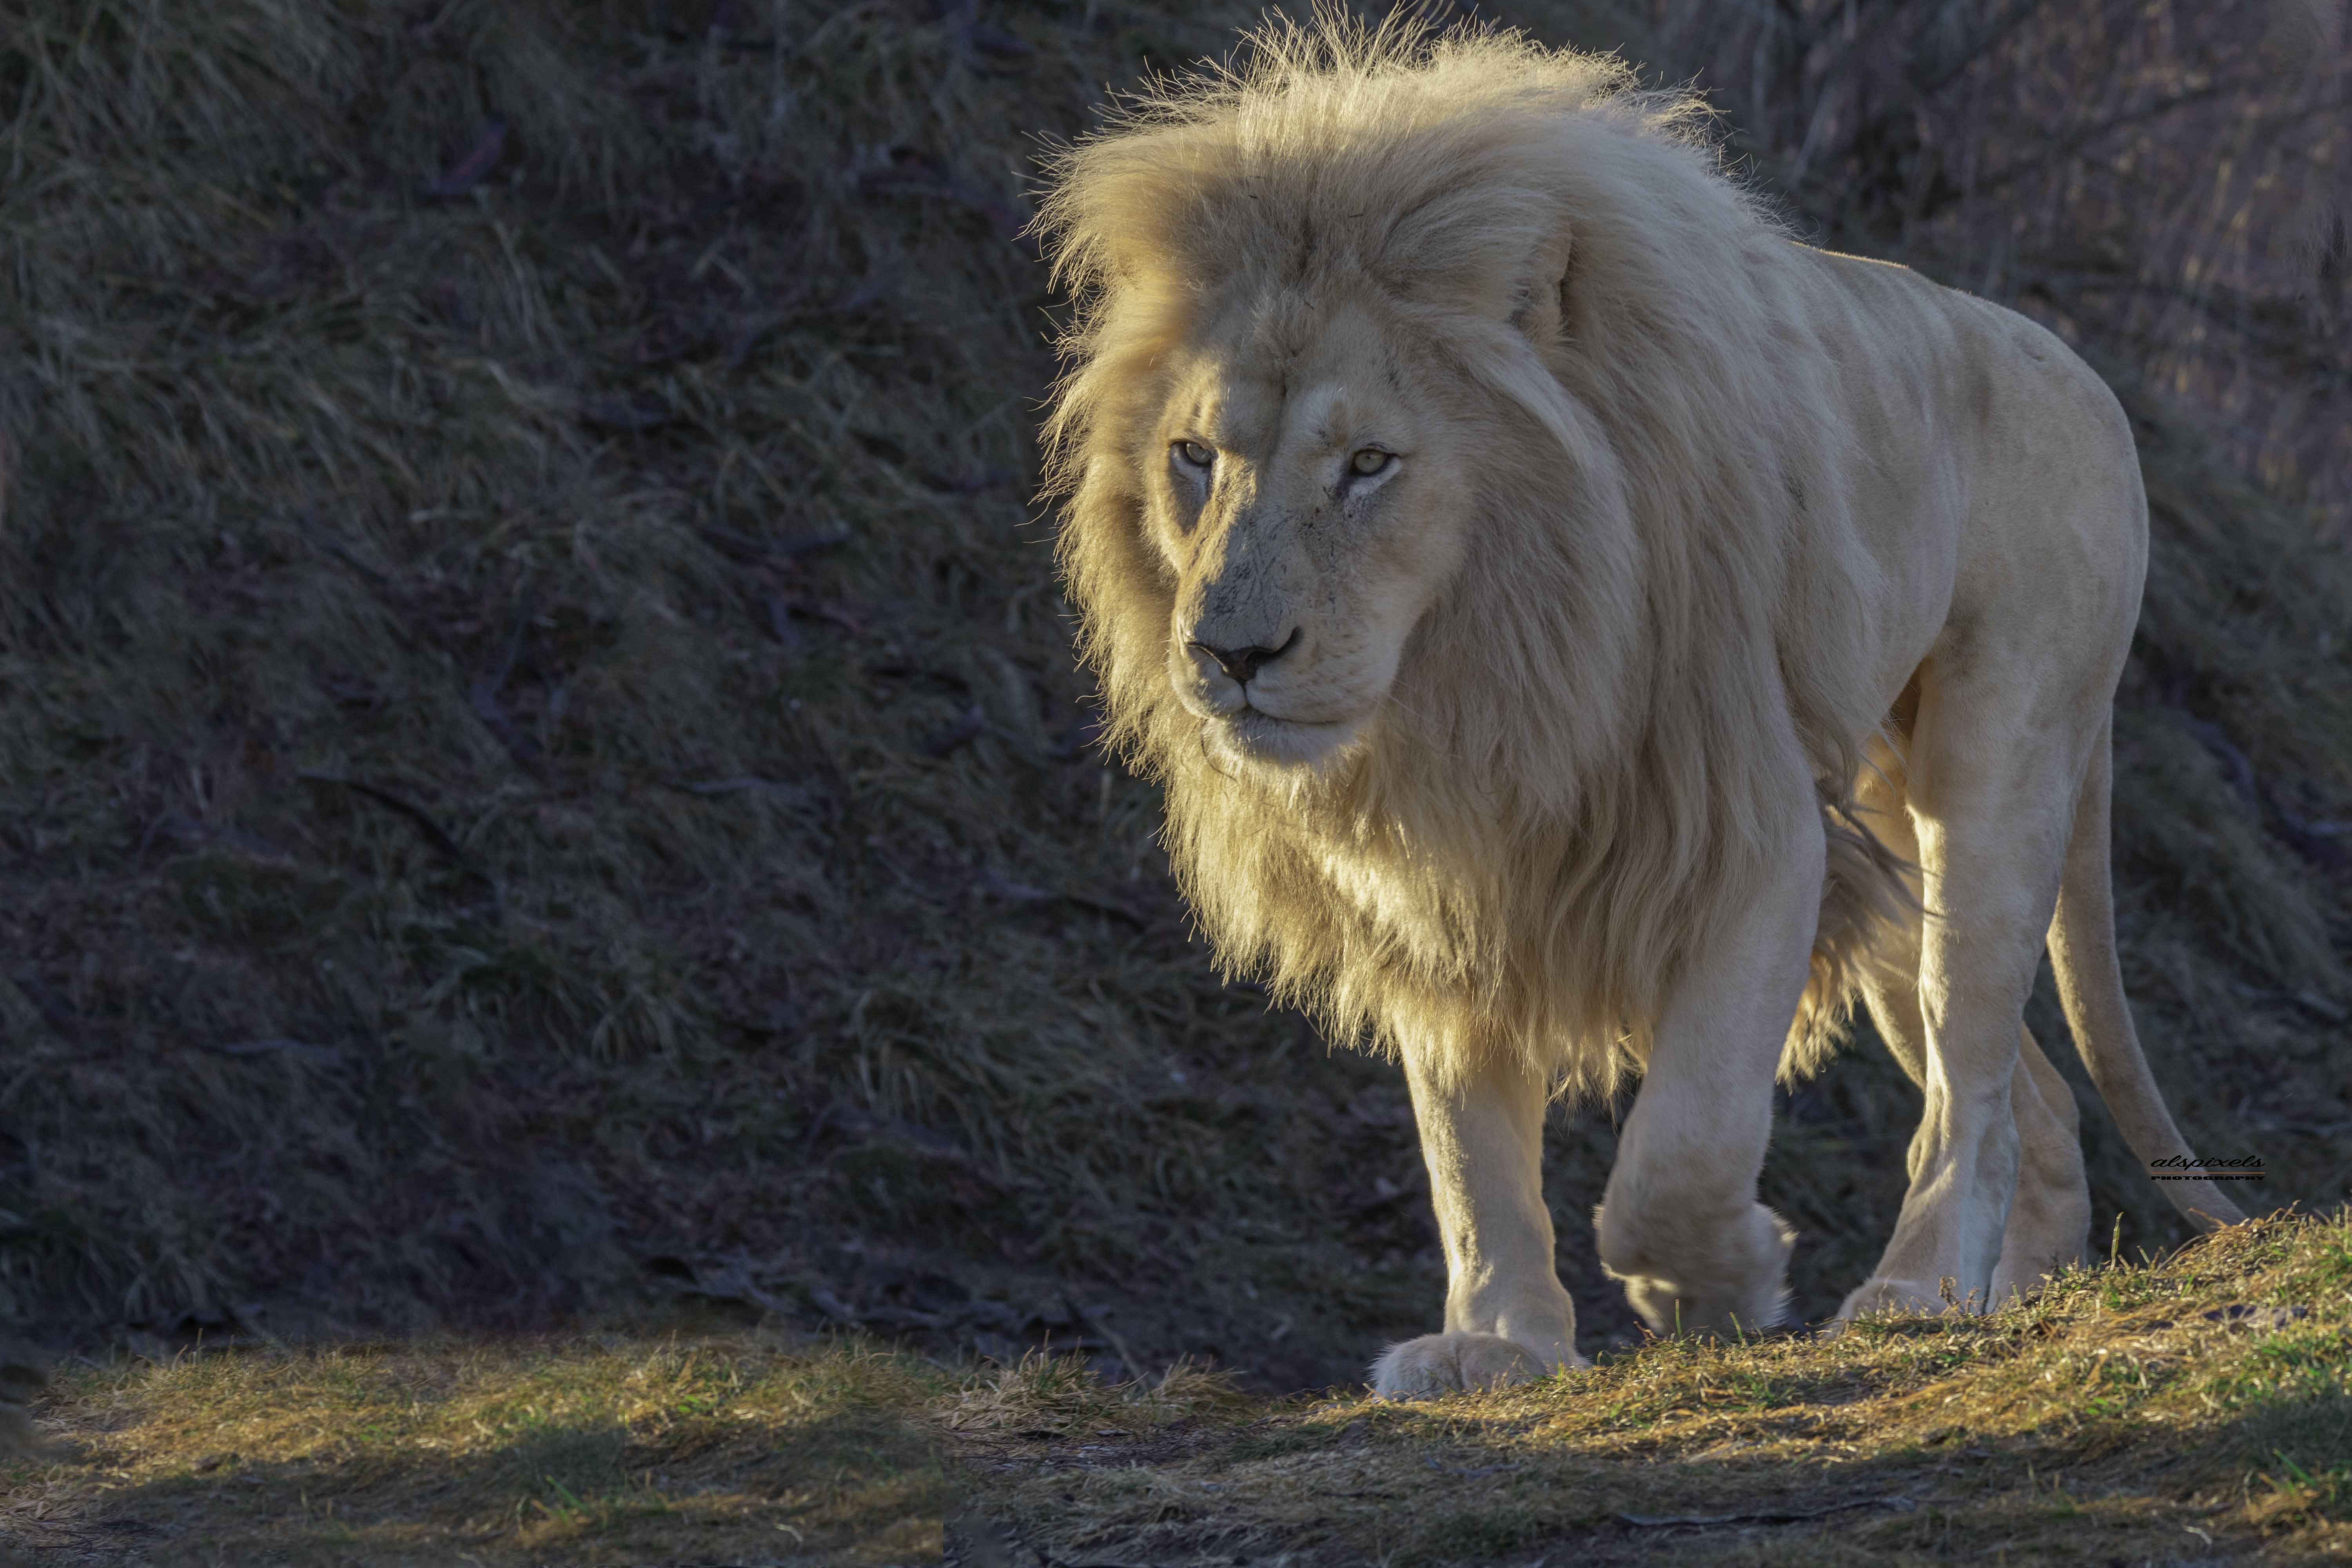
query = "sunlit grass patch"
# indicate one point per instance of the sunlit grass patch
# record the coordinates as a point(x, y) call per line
point(2127, 1408)
point(816, 1450)
point(509, 1450)
point(1058, 1397)
point(2122, 1408)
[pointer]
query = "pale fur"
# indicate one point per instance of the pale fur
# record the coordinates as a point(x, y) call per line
point(1547, 869)
point(1585, 763)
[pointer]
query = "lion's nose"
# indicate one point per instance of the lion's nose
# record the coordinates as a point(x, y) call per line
point(1242, 663)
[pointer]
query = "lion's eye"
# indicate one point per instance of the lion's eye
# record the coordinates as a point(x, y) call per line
point(1194, 454)
point(1370, 461)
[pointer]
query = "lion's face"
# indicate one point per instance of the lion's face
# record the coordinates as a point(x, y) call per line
point(1312, 510)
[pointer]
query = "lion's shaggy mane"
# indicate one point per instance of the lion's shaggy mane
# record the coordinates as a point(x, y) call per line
point(1567, 790)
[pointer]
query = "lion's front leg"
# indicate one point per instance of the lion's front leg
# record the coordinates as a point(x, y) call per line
point(1508, 1319)
point(1681, 1224)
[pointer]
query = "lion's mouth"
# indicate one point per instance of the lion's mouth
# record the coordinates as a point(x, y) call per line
point(1253, 734)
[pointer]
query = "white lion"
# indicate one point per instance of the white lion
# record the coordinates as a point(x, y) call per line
point(1562, 610)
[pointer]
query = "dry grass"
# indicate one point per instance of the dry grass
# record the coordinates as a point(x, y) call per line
point(437, 1453)
point(2197, 1410)
point(2193, 1410)
point(744, 1446)
point(540, 763)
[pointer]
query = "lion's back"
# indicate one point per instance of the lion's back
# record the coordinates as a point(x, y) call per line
point(1980, 426)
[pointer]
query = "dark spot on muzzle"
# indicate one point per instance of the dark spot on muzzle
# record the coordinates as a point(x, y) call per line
point(1242, 663)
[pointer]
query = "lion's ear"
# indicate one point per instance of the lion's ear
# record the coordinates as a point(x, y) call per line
point(1542, 294)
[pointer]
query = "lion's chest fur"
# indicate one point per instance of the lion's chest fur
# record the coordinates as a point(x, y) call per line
point(1360, 908)
point(1412, 909)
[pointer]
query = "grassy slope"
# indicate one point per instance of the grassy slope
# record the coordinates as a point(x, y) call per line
point(2197, 1409)
point(482, 502)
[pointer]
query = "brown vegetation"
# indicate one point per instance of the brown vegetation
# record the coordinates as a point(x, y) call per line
point(2169, 183)
point(540, 763)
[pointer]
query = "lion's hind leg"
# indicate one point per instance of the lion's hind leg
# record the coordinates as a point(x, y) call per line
point(2049, 1216)
point(2050, 1219)
point(1994, 768)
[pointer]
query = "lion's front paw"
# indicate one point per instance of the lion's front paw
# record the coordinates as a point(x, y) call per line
point(1450, 1364)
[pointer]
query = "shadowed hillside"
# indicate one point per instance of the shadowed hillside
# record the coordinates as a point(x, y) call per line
point(542, 776)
